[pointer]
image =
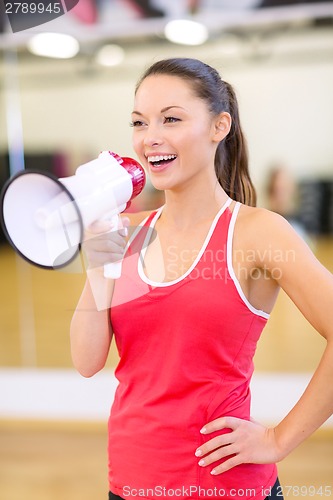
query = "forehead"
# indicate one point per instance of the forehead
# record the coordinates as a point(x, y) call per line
point(165, 90)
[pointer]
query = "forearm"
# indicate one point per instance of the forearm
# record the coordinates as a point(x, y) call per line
point(313, 408)
point(90, 330)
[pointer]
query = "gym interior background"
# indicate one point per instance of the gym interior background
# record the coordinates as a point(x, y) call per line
point(57, 113)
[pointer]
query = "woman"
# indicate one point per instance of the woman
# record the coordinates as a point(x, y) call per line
point(197, 288)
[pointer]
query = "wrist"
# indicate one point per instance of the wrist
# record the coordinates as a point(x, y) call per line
point(101, 288)
point(282, 443)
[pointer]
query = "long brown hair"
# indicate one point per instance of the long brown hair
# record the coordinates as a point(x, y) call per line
point(231, 159)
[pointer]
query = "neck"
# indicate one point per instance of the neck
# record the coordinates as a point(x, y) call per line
point(187, 207)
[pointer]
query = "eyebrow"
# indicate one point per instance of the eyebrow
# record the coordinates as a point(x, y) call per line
point(163, 110)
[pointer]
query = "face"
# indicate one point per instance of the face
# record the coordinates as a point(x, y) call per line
point(175, 136)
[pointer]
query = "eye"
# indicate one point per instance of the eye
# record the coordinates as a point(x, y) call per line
point(136, 123)
point(171, 119)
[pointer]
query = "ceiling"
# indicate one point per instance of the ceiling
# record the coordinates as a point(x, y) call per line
point(127, 21)
point(240, 30)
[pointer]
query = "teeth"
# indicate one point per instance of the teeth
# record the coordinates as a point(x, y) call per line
point(153, 159)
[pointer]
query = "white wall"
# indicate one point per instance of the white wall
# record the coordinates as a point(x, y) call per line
point(288, 116)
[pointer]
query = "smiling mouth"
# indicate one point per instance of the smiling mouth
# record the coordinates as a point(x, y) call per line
point(158, 161)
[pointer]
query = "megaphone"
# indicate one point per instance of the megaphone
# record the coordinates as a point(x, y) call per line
point(44, 217)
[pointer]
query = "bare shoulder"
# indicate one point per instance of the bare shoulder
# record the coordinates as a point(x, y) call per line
point(262, 225)
point(257, 215)
point(271, 237)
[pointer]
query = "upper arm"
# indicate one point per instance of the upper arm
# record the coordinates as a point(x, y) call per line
point(295, 268)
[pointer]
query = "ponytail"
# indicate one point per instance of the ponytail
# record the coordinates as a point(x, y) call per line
point(231, 159)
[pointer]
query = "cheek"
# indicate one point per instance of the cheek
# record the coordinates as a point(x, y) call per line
point(200, 130)
point(197, 140)
point(136, 143)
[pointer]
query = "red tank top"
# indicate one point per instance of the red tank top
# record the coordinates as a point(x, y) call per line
point(186, 349)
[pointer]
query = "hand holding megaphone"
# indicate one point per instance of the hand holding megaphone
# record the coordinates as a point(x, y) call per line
point(104, 245)
point(44, 218)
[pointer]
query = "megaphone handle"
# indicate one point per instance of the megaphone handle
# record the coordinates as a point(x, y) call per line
point(113, 269)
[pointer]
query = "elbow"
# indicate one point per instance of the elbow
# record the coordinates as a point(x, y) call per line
point(88, 365)
point(88, 371)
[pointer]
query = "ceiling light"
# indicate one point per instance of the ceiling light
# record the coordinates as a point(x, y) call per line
point(110, 55)
point(186, 32)
point(56, 45)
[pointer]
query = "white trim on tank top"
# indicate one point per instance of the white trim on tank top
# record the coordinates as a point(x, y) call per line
point(232, 273)
point(203, 248)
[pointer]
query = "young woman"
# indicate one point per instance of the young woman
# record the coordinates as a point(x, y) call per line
point(196, 291)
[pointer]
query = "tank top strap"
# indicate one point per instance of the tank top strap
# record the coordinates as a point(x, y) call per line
point(139, 235)
point(218, 242)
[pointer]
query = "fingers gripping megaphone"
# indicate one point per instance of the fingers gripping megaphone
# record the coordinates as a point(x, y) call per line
point(44, 217)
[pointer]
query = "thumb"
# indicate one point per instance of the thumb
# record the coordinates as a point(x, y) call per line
point(125, 222)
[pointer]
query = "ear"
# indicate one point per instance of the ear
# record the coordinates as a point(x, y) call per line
point(222, 125)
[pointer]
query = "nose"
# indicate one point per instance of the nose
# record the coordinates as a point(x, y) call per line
point(152, 136)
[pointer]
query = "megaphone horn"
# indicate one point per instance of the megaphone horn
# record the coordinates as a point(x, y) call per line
point(44, 217)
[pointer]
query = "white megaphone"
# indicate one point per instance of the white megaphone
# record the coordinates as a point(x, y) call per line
point(44, 217)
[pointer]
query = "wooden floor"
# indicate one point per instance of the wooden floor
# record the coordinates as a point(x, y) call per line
point(45, 461)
